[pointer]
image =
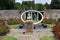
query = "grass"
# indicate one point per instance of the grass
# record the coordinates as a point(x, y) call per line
point(47, 38)
point(50, 25)
point(14, 26)
point(9, 38)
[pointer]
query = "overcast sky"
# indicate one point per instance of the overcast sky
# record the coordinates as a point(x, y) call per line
point(36, 1)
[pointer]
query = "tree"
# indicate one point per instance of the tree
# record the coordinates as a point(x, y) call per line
point(27, 4)
point(47, 6)
point(39, 7)
point(55, 4)
point(18, 6)
point(7, 4)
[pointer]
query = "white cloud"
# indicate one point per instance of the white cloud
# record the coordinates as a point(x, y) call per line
point(43, 1)
point(36, 1)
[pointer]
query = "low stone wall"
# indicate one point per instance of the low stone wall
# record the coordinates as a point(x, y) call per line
point(9, 14)
point(52, 14)
point(49, 14)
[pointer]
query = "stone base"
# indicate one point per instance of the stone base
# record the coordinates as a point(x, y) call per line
point(29, 26)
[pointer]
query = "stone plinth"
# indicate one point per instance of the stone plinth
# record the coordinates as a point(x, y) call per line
point(29, 26)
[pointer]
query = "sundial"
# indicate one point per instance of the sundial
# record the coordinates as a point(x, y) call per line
point(35, 16)
point(30, 18)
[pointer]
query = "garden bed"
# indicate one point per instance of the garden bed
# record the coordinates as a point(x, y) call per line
point(3, 28)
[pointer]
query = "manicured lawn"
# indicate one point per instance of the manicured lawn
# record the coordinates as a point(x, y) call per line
point(9, 38)
point(47, 38)
point(14, 26)
point(50, 25)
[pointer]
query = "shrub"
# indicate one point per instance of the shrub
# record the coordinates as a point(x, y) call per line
point(14, 21)
point(49, 21)
point(3, 28)
point(3, 31)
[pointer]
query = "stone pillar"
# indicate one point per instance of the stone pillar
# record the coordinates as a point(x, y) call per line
point(29, 26)
point(37, 16)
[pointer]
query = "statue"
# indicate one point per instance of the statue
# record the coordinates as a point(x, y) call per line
point(29, 25)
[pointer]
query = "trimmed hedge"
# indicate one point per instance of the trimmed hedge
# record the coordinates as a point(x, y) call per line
point(3, 28)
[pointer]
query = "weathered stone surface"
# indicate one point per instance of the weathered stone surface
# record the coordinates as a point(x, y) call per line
point(9, 14)
point(29, 26)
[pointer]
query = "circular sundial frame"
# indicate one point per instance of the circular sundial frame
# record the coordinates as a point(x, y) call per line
point(32, 11)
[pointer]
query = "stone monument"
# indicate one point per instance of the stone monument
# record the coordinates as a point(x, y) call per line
point(29, 25)
point(29, 22)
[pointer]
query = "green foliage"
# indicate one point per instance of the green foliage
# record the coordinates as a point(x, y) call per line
point(39, 7)
point(47, 38)
point(7, 4)
point(47, 6)
point(18, 6)
point(3, 30)
point(28, 4)
point(55, 4)
point(14, 21)
point(49, 21)
point(0, 25)
point(14, 26)
point(9, 38)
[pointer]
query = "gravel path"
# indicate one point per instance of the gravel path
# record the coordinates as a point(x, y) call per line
point(1, 37)
point(36, 35)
